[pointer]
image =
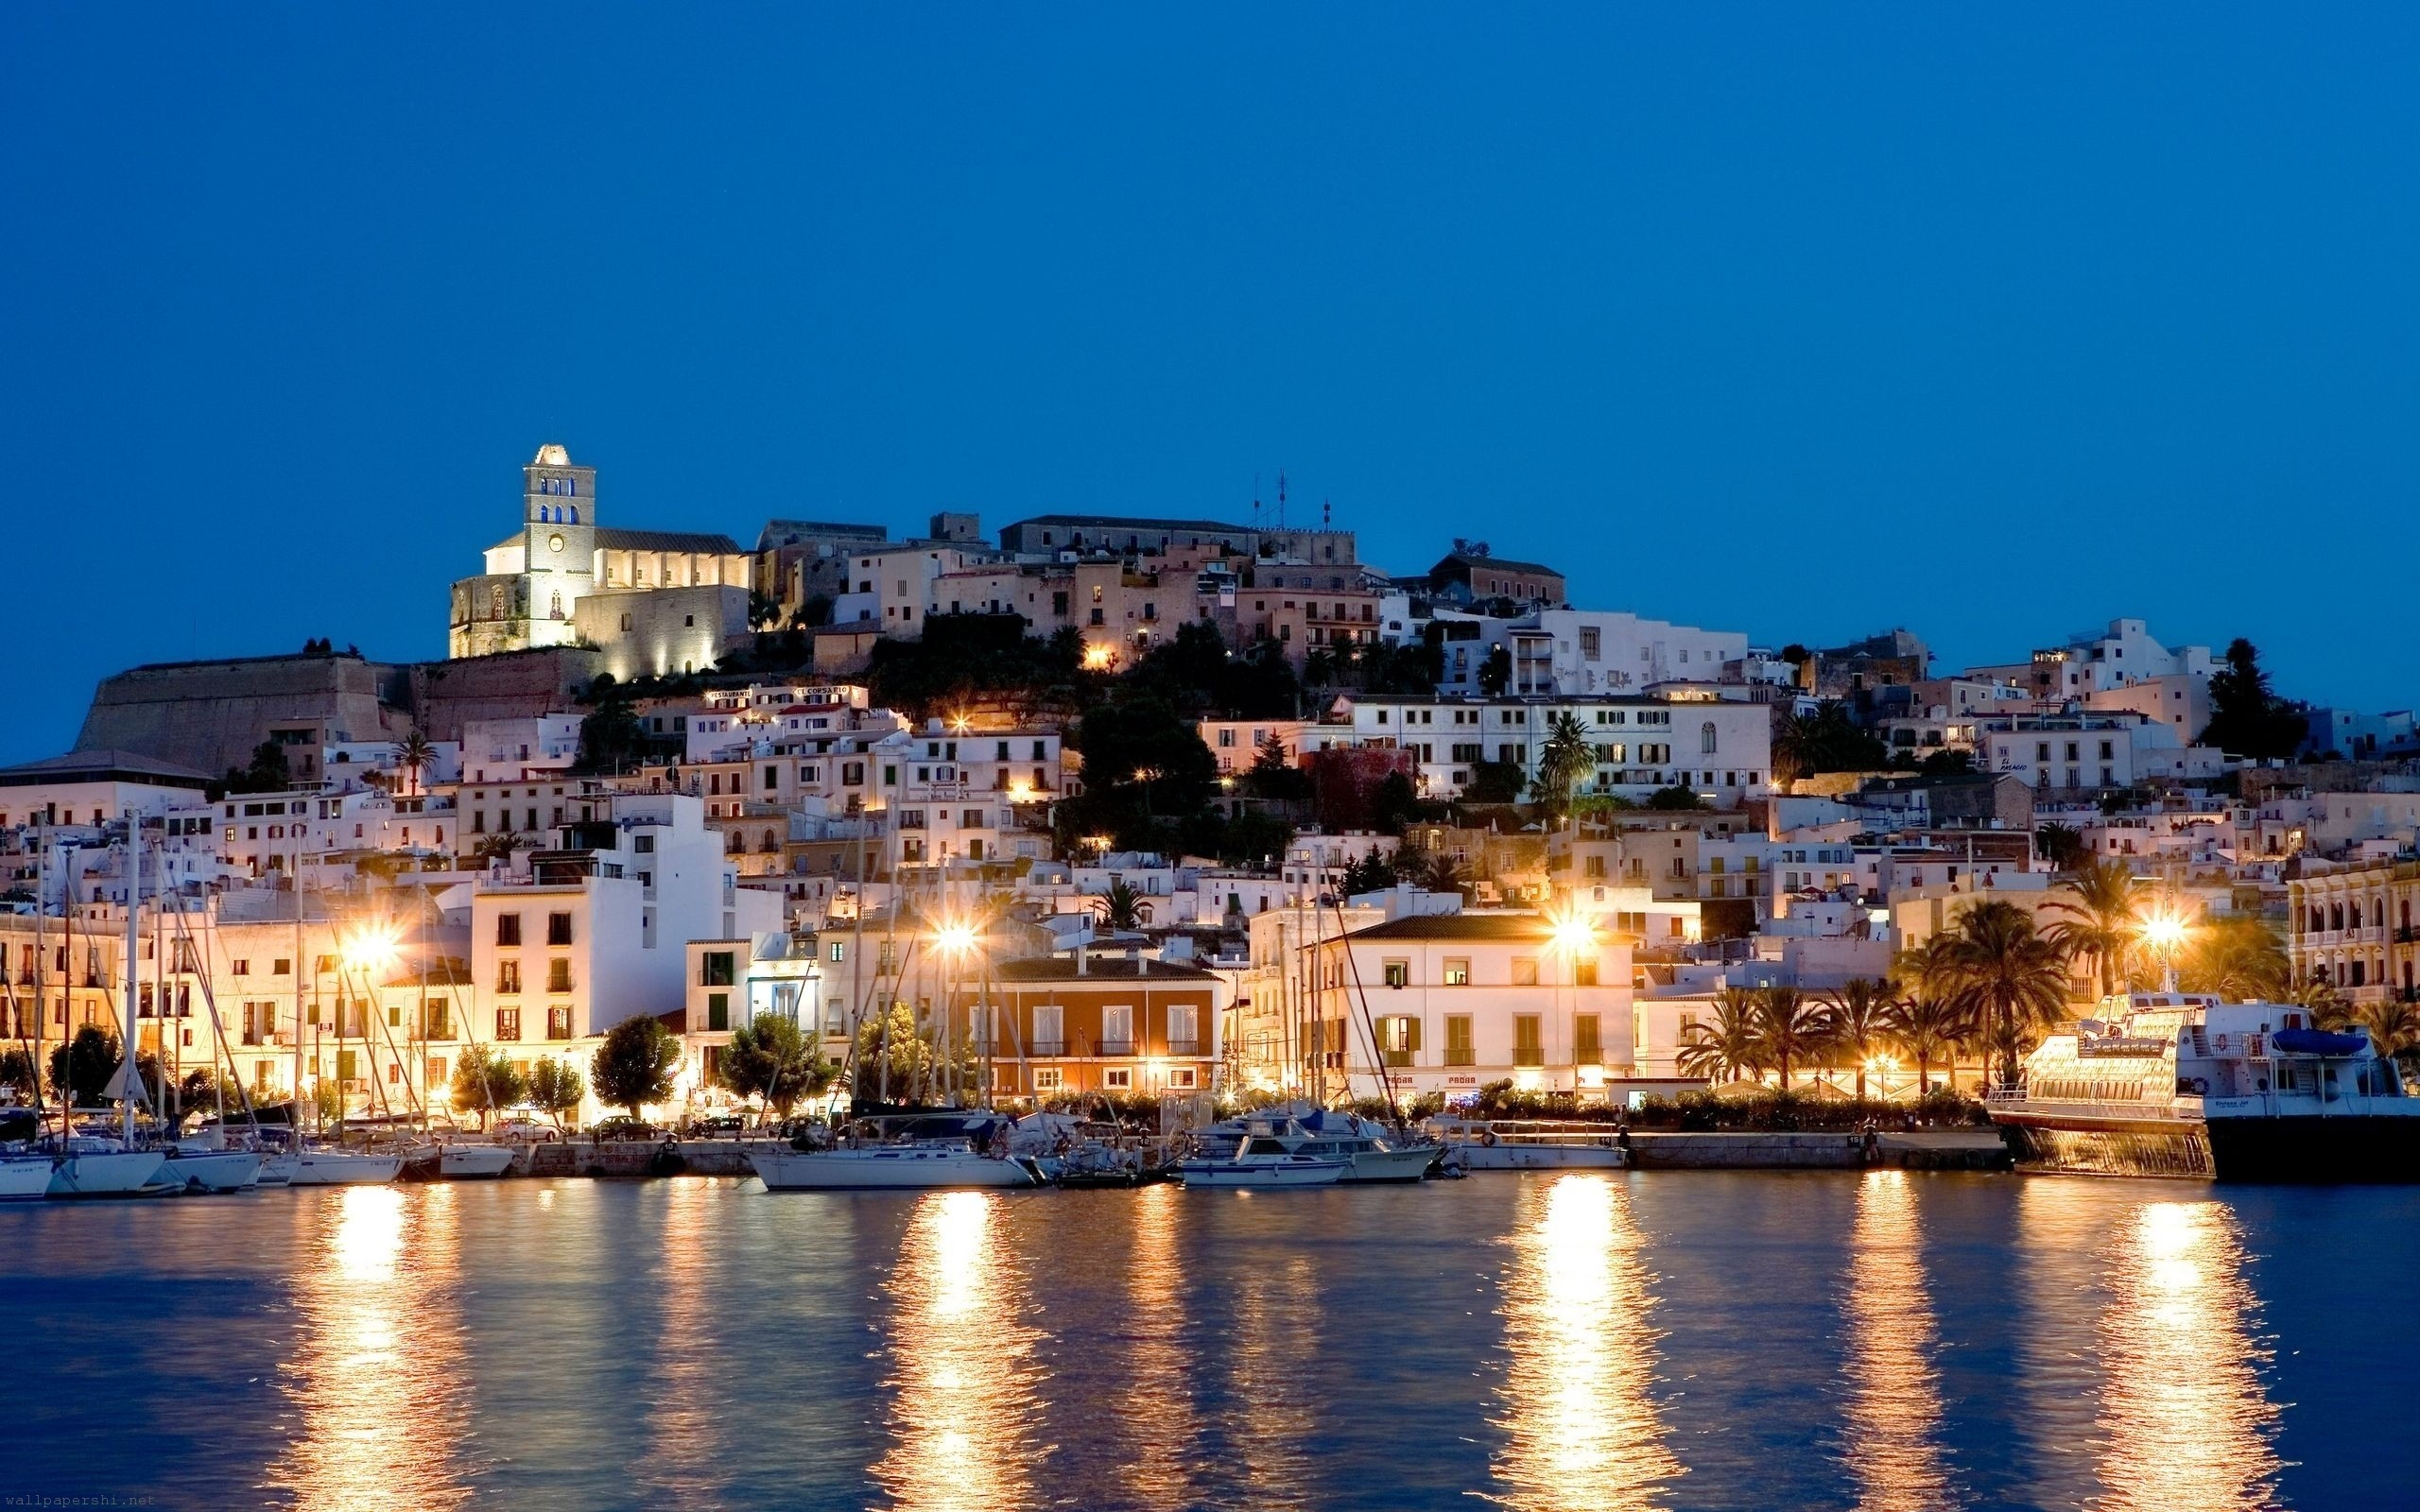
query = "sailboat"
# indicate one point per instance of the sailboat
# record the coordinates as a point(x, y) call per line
point(97, 1166)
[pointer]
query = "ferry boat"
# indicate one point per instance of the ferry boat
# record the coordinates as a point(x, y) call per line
point(1530, 1145)
point(2180, 1084)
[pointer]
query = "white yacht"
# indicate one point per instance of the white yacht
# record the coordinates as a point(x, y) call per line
point(104, 1168)
point(1368, 1155)
point(205, 1170)
point(449, 1161)
point(343, 1168)
point(2181, 1084)
point(1262, 1162)
point(902, 1153)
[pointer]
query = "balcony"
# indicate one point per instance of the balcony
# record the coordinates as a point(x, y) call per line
point(1184, 1047)
point(1395, 1057)
point(1048, 1048)
point(1116, 1047)
point(1529, 1055)
point(1461, 1055)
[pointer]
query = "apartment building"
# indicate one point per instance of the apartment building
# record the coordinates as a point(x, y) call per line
point(1719, 747)
point(2353, 928)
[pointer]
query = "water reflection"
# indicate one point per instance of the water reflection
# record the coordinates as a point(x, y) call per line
point(2190, 1422)
point(1157, 1410)
point(375, 1380)
point(1581, 1431)
point(1892, 1439)
point(683, 1415)
point(1276, 1331)
point(961, 1387)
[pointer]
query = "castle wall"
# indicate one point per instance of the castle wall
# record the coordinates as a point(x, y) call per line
point(209, 715)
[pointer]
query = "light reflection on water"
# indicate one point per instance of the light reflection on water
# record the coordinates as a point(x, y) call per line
point(374, 1379)
point(1277, 1326)
point(1891, 1438)
point(686, 1409)
point(961, 1383)
point(1157, 1407)
point(2190, 1420)
point(1580, 1429)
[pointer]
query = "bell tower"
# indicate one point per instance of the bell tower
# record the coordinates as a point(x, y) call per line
point(558, 541)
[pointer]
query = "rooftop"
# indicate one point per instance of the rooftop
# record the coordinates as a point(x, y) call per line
point(708, 543)
point(103, 767)
point(1062, 968)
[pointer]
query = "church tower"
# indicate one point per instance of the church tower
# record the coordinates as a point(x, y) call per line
point(558, 541)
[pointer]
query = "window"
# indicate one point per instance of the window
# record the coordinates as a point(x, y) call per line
point(1397, 973)
point(1525, 969)
point(508, 929)
point(1183, 1078)
point(1591, 643)
point(559, 929)
point(1117, 1030)
point(559, 1022)
point(716, 969)
point(1458, 972)
point(1458, 1051)
point(1398, 1040)
point(234, 967)
point(1047, 1079)
point(1706, 737)
point(1526, 1048)
point(1587, 1050)
point(508, 1024)
point(507, 976)
point(436, 1019)
point(1049, 1031)
point(1185, 1029)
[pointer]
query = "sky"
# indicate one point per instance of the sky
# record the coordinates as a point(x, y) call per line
point(1993, 322)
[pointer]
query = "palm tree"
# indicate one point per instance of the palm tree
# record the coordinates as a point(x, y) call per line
point(1565, 759)
point(1928, 1027)
point(2238, 958)
point(1121, 908)
point(2010, 977)
point(1790, 1027)
point(2062, 846)
point(1861, 1015)
point(2103, 920)
point(2394, 1025)
point(1725, 1046)
point(415, 754)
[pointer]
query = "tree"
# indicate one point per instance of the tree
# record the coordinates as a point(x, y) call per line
point(2062, 846)
point(1563, 764)
point(1493, 782)
point(1395, 804)
point(81, 1069)
point(2011, 978)
point(268, 773)
point(415, 755)
point(1121, 908)
point(490, 848)
point(1947, 764)
point(2393, 1026)
point(1726, 1046)
point(2246, 718)
point(2103, 918)
point(1825, 741)
point(897, 1058)
point(556, 1087)
point(1372, 872)
point(611, 736)
point(17, 1073)
point(772, 1060)
point(486, 1081)
point(1679, 797)
point(1791, 1027)
point(2239, 957)
point(1274, 774)
point(762, 610)
point(1926, 1028)
point(633, 1067)
point(1495, 672)
point(1858, 1014)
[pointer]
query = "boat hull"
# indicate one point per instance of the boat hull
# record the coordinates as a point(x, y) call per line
point(277, 1170)
point(458, 1162)
point(2147, 1148)
point(218, 1171)
point(117, 1174)
point(888, 1170)
point(24, 1179)
point(1409, 1164)
point(1222, 1175)
point(2300, 1149)
point(1509, 1157)
point(325, 1168)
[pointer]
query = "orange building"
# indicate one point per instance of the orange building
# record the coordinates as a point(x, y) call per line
point(1064, 1025)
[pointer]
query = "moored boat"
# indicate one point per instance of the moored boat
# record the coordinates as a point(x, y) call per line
point(1519, 1145)
point(2183, 1085)
point(24, 1178)
point(929, 1152)
point(213, 1170)
point(85, 1172)
point(450, 1161)
point(1263, 1162)
point(343, 1168)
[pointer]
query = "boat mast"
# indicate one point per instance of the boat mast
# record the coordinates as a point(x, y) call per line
point(130, 1073)
point(294, 1107)
point(42, 995)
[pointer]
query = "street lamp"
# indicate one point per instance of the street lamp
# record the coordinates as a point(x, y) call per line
point(1574, 933)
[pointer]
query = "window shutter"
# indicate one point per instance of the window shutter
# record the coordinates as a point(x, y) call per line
point(1411, 1035)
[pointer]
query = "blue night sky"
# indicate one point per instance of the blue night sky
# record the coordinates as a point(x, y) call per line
point(1994, 322)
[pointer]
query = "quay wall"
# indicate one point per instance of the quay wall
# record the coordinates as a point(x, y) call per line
point(1979, 1151)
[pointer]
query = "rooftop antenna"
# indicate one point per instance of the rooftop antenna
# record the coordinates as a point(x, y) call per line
point(1325, 519)
point(1281, 498)
point(1255, 501)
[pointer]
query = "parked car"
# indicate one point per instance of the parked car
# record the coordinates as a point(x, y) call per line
point(625, 1128)
point(720, 1126)
point(524, 1131)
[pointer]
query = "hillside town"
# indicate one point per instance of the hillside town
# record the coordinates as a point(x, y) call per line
point(1153, 809)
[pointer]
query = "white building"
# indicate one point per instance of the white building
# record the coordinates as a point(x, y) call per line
point(94, 788)
point(1719, 747)
point(2086, 752)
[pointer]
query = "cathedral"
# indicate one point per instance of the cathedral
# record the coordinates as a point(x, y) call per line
point(653, 602)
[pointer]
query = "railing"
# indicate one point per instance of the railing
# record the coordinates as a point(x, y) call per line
point(1461, 1057)
point(1395, 1058)
point(1046, 1047)
point(1116, 1047)
point(1529, 1055)
point(1184, 1047)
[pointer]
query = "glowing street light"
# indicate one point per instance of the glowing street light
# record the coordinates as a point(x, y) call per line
point(955, 938)
point(371, 948)
point(2163, 933)
point(1575, 933)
